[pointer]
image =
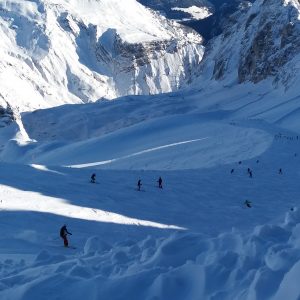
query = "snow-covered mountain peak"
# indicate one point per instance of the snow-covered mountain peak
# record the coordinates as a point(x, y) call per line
point(123, 15)
point(61, 51)
point(130, 19)
point(295, 3)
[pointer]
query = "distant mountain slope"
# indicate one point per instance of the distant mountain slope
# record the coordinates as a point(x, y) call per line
point(260, 43)
point(177, 9)
point(58, 51)
point(206, 17)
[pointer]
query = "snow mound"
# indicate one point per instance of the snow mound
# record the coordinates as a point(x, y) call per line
point(94, 244)
point(184, 266)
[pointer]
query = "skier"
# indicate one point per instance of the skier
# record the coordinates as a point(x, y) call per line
point(159, 182)
point(63, 234)
point(240, 162)
point(139, 184)
point(248, 203)
point(248, 171)
point(93, 178)
point(232, 170)
point(280, 171)
point(250, 174)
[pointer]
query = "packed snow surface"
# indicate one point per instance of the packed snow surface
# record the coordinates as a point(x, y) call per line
point(193, 239)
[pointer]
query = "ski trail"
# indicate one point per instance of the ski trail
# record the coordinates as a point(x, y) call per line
point(135, 154)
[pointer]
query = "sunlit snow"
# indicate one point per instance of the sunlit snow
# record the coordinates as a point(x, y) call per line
point(197, 13)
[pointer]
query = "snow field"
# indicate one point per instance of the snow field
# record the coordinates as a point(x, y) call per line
point(170, 143)
point(136, 140)
point(192, 239)
point(181, 266)
point(219, 255)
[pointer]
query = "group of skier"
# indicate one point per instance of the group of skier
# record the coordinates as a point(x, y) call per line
point(159, 181)
point(139, 183)
point(250, 172)
point(64, 231)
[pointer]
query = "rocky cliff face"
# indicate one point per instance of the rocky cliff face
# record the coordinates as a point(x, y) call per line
point(261, 41)
point(275, 43)
point(61, 51)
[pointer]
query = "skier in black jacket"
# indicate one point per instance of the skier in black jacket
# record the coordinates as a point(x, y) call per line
point(248, 203)
point(63, 234)
point(159, 182)
point(139, 184)
point(93, 178)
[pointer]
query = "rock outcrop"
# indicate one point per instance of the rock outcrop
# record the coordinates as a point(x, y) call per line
point(261, 41)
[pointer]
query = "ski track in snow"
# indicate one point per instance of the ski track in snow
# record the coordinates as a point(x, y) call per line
point(134, 154)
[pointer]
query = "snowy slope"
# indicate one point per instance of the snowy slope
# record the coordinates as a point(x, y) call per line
point(194, 238)
point(176, 131)
point(59, 51)
point(178, 142)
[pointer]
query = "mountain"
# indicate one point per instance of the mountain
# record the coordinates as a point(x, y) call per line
point(259, 43)
point(206, 17)
point(181, 10)
point(249, 71)
point(61, 51)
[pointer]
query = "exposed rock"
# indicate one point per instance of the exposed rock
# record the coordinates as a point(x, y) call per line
point(258, 43)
